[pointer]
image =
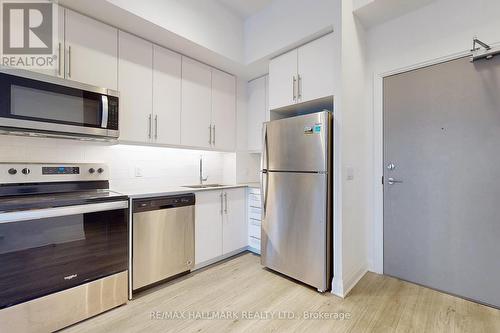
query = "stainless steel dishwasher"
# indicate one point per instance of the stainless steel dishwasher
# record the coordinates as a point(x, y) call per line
point(163, 238)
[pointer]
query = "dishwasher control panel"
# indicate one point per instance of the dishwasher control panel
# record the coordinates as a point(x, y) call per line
point(156, 203)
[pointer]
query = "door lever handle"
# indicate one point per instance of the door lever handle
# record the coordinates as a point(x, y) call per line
point(392, 181)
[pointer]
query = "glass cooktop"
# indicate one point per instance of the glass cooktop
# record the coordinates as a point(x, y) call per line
point(52, 200)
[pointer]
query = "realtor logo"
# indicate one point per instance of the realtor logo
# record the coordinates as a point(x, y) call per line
point(28, 34)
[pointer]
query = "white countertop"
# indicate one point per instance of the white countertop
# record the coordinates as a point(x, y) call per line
point(139, 193)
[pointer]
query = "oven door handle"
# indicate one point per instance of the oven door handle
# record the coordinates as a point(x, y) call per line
point(35, 214)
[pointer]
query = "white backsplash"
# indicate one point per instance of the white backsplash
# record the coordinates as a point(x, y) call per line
point(159, 166)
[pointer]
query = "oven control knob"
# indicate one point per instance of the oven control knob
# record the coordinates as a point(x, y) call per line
point(100, 170)
point(12, 171)
point(26, 171)
point(91, 170)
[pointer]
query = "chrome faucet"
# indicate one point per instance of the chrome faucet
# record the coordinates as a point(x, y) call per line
point(201, 172)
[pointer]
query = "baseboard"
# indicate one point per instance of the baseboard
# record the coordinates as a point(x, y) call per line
point(219, 258)
point(353, 279)
point(342, 287)
point(337, 287)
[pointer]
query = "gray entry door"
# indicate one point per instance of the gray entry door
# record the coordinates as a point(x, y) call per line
point(442, 135)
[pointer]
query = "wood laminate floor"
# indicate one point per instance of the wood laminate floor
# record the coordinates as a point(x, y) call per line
point(248, 295)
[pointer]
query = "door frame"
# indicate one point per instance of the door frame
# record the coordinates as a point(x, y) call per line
point(377, 241)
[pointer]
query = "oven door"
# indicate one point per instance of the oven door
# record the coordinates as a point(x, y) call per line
point(49, 250)
point(54, 105)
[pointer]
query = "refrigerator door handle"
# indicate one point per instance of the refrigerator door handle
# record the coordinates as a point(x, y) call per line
point(264, 166)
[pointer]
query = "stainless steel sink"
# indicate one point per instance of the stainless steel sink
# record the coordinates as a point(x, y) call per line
point(204, 186)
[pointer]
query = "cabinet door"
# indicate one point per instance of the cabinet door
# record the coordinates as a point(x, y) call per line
point(208, 226)
point(91, 51)
point(58, 48)
point(234, 228)
point(257, 112)
point(282, 80)
point(316, 69)
point(196, 104)
point(167, 95)
point(135, 84)
point(223, 110)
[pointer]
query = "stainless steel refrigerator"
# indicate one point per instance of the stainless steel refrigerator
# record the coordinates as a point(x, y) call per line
point(297, 200)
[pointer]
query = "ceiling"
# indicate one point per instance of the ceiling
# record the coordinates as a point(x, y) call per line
point(245, 8)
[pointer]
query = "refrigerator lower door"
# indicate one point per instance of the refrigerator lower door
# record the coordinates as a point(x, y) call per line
point(295, 231)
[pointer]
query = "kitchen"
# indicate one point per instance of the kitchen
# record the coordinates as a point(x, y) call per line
point(204, 195)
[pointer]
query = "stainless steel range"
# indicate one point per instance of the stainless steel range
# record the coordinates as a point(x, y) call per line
point(63, 245)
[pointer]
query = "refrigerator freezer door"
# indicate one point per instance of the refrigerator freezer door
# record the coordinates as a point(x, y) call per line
point(294, 227)
point(298, 143)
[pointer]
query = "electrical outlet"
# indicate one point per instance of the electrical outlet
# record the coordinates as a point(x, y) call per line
point(138, 172)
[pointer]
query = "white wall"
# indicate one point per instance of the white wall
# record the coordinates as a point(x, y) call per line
point(160, 166)
point(353, 143)
point(442, 29)
point(284, 23)
point(206, 22)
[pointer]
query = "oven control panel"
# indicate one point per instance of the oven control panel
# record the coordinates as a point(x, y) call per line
point(60, 170)
point(40, 172)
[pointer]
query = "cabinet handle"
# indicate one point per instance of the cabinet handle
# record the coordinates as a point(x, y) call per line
point(156, 126)
point(221, 204)
point(225, 201)
point(210, 135)
point(149, 126)
point(59, 60)
point(69, 61)
point(299, 87)
point(214, 136)
point(294, 80)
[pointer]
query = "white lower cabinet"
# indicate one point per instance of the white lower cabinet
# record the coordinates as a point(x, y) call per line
point(234, 226)
point(220, 224)
point(207, 226)
point(254, 219)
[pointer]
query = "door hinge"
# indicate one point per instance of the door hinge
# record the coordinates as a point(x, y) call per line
point(382, 180)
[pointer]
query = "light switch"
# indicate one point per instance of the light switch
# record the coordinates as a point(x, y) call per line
point(138, 172)
point(350, 173)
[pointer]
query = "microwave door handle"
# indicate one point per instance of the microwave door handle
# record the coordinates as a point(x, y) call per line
point(27, 215)
point(105, 111)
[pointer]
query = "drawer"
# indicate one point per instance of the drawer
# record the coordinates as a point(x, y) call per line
point(254, 243)
point(254, 231)
point(254, 190)
point(254, 200)
point(254, 213)
point(254, 222)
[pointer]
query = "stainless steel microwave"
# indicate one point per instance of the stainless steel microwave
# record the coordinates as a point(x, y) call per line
point(41, 105)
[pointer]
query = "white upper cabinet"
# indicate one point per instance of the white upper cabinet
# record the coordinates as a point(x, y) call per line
point(167, 96)
point(91, 51)
point(303, 74)
point(257, 112)
point(223, 110)
point(136, 100)
point(196, 127)
point(283, 80)
point(315, 69)
point(234, 226)
point(59, 48)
